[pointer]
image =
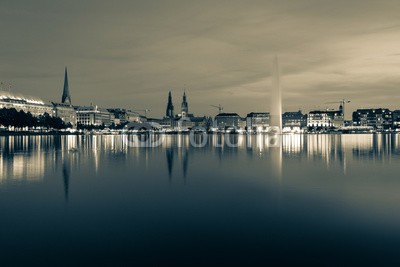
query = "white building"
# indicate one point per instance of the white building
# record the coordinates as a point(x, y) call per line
point(31, 104)
point(93, 115)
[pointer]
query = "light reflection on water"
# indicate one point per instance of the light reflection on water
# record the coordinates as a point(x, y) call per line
point(26, 158)
point(346, 185)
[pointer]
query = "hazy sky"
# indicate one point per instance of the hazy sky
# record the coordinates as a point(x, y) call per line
point(131, 53)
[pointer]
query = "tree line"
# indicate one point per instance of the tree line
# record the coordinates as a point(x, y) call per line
point(20, 119)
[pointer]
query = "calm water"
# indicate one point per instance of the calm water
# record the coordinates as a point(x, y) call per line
point(318, 199)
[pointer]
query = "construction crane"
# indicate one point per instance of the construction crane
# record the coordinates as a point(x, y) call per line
point(145, 111)
point(342, 103)
point(219, 107)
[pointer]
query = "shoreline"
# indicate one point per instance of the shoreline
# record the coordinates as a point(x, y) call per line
point(28, 133)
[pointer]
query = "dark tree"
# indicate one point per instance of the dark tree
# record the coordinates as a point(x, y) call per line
point(19, 119)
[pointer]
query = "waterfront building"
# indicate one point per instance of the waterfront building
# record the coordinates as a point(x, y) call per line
point(187, 123)
point(94, 116)
point(31, 104)
point(294, 121)
point(166, 123)
point(205, 122)
point(125, 115)
point(38, 107)
point(242, 124)
point(184, 106)
point(325, 118)
point(66, 112)
point(379, 119)
point(348, 123)
point(396, 119)
point(257, 122)
point(170, 107)
point(184, 120)
point(318, 118)
point(187, 120)
point(225, 120)
point(183, 123)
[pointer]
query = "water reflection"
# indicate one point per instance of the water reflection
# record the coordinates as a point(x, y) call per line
point(21, 158)
point(178, 149)
point(28, 158)
point(185, 163)
point(304, 196)
point(66, 174)
point(170, 161)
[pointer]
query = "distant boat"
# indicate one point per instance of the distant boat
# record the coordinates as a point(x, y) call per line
point(74, 150)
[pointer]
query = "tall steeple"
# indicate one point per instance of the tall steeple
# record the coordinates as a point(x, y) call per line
point(170, 107)
point(184, 106)
point(66, 97)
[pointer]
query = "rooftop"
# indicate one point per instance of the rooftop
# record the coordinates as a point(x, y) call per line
point(227, 115)
point(7, 96)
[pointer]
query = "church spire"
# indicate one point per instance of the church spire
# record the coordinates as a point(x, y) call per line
point(170, 107)
point(184, 106)
point(66, 97)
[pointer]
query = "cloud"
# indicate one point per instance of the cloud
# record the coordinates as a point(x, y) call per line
point(131, 53)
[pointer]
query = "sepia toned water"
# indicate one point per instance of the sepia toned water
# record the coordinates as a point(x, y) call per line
point(330, 200)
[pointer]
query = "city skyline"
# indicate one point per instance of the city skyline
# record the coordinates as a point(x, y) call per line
point(129, 54)
point(210, 133)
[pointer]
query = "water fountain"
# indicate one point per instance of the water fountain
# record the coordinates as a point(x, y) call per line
point(276, 99)
point(275, 133)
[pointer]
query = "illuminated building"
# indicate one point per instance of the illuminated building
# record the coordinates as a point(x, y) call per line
point(65, 110)
point(396, 119)
point(184, 106)
point(294, 121)
point(257, 121)
point(93, 115)
point(31, 104)
point(380, 118)
point(326, 118)
point(126, 115)
point(204, 122)
point(184, 120)
point(226, 120)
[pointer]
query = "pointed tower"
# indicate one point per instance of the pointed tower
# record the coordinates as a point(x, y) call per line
point(341, 108)
point(184, 106)
point(170, 107)
point(66, 97)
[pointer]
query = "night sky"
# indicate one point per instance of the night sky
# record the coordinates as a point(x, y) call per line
point(131, 53)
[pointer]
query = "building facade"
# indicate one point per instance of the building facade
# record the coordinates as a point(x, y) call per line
point(184, 106)
point(225, 120)
point(294, 121)
point(94, 116)
point(187, 123)
point(380, 118)
point(30, 104)
point(257, 121)
point(325, 119)
point(396, 119)
point(125, 115)
point(66, 112)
